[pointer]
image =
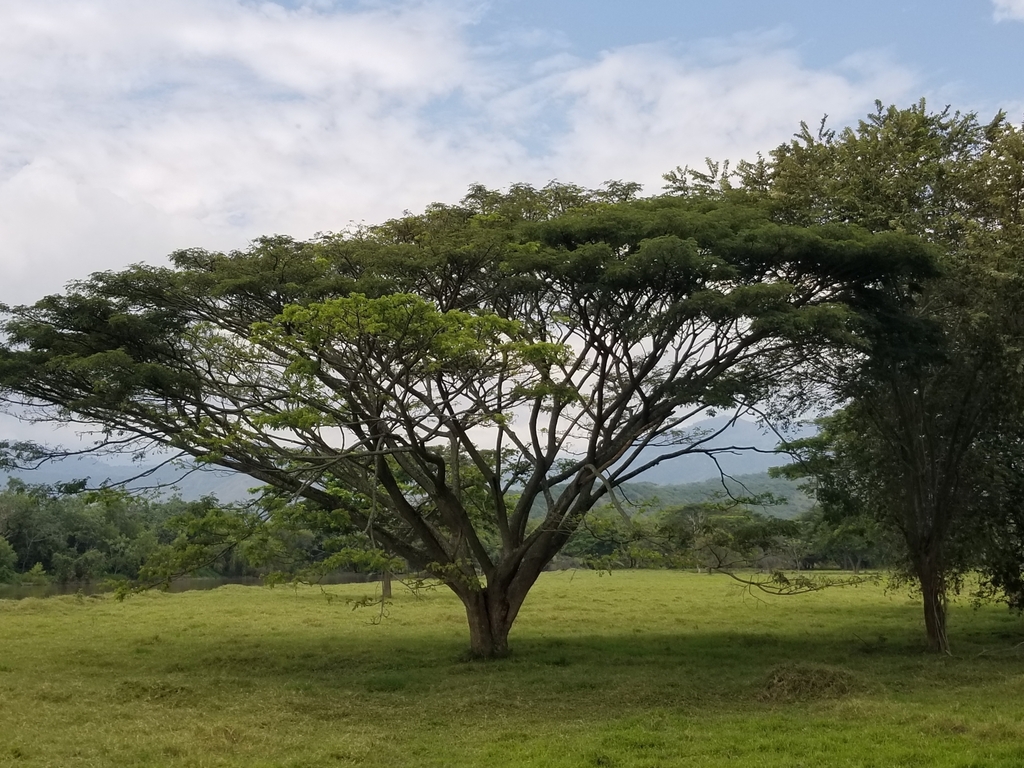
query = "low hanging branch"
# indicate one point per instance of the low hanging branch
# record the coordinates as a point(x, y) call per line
point(778, 583)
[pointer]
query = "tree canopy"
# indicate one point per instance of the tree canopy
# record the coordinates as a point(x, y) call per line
point(428, 380)
point(930, 437)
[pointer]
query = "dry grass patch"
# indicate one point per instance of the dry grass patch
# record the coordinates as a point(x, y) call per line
point(801, 681)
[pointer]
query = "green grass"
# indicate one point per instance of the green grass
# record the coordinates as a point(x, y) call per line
point(634, 669)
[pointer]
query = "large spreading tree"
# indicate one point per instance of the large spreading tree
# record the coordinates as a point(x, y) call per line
point(434, 380)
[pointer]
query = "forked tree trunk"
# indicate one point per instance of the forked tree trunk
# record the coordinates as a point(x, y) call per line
point(491, 610)
point(490, 619)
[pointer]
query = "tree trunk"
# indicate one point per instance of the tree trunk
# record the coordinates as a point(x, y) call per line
point(933, 590)
point(385, 585)
point(490, 619)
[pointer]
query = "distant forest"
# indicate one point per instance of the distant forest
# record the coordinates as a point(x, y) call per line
point(62, 533)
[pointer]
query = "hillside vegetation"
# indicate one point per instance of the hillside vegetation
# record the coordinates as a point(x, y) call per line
point(775, 496)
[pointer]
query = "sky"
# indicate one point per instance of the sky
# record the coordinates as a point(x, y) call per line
point(129, 130)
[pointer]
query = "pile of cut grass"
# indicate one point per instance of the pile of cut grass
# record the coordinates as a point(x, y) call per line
point(633, 669)
point(799, 681)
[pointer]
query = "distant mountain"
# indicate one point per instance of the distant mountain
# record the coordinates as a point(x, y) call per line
point(188, 482)
point(791, 501)
point(232, 486)
point(696, 467)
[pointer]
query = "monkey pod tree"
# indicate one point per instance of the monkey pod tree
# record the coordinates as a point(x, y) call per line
point(458, 370)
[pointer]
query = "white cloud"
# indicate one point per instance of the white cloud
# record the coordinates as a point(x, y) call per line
point(640, 110)
point(1009, 9)
point(130, 129)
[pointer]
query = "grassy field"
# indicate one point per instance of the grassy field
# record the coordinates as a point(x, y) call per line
point(633, 669)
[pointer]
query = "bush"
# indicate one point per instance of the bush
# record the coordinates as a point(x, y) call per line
point(36, 576)
point(8, 558)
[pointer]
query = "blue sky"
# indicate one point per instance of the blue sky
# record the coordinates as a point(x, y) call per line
point(130, 129)
point(952, 45)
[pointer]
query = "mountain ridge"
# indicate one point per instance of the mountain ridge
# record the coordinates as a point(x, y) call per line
point(195, 481)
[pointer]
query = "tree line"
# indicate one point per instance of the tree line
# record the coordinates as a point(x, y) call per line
point(415, 390)
point(731, 538)
point(67, 534)
point(64, 533)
